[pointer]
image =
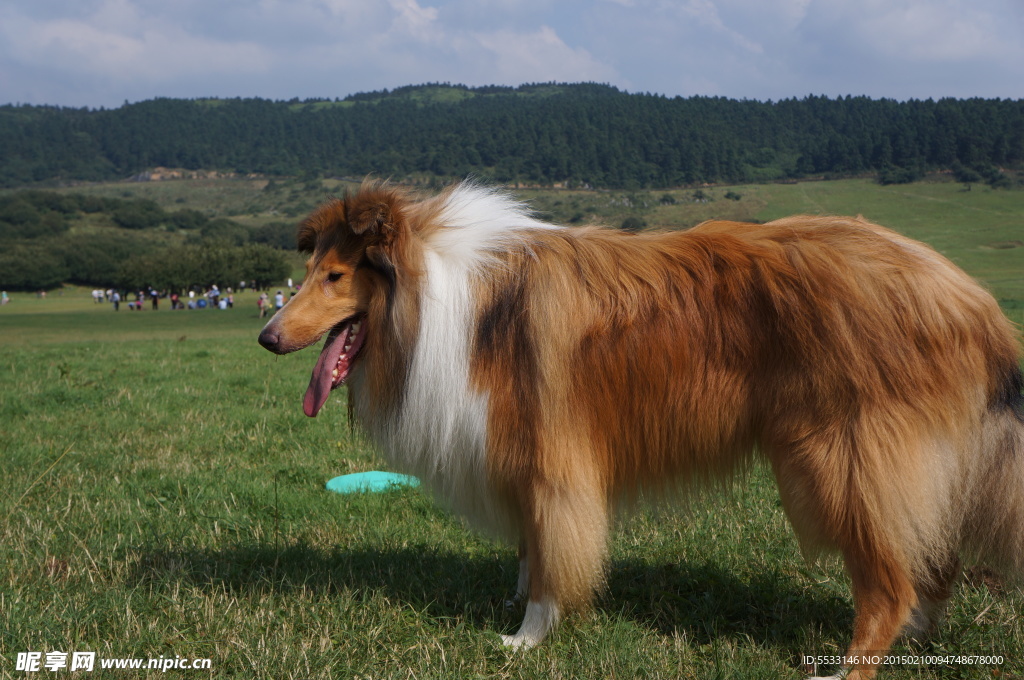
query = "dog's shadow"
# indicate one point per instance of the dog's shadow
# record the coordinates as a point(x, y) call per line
point(702, 601)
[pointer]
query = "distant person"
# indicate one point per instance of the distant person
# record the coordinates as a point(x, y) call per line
point(115, 298)
point(262, 304)
point(154, 295)
point(4, 299)
point(278, 301)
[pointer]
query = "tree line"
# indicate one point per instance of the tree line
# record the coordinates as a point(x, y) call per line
point(41, 252)
point(581, 134)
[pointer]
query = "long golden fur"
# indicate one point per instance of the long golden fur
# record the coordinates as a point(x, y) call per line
point(535, 376)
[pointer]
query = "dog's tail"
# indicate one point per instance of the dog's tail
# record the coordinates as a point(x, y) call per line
point(994, 533)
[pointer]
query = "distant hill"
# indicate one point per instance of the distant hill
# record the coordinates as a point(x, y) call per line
point(578, 134)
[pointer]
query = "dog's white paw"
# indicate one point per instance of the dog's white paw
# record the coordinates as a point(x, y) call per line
point(540, 618)
point(519, 642)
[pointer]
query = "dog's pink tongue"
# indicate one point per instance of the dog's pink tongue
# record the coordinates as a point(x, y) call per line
point(320, 382)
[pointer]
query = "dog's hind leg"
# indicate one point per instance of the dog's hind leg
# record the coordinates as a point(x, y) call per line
point(883, 598)
point(932, 597)
point(836, 515)
point(566, 532)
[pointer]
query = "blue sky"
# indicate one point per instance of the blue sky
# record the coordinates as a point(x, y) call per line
point(105, 52)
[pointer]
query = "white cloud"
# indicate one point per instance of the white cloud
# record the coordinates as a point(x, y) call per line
point(115, 43)
point(351, 9)
point(539, 56)
point(706, 13)
point(930, 31)
point(911, 48)
point(417, 22)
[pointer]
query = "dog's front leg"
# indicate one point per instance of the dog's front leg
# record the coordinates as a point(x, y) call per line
point(523, 582)
point(565, 534)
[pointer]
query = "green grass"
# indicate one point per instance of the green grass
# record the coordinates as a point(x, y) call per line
point(163, 495)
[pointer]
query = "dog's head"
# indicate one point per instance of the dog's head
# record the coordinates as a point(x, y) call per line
point(359, 250)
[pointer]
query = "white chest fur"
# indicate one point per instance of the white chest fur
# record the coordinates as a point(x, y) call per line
point(439, 433)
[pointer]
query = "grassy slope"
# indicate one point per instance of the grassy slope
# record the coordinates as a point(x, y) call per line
point(186, 515)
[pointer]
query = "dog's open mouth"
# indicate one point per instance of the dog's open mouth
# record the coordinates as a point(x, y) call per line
point(340, 349)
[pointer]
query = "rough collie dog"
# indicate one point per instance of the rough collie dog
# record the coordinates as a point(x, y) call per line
point(535, 377)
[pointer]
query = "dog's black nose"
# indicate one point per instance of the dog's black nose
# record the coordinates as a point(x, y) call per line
point(270, 339)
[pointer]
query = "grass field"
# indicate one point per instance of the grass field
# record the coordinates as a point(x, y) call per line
point(163, 497)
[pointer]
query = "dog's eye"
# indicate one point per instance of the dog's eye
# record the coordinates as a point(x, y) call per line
point(334, 276)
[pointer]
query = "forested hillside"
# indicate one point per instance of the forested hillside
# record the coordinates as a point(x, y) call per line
point(51, 238)
point(582, 134)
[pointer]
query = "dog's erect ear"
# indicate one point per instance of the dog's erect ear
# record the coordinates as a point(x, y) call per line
point(307, 235)
point(375, 213)
point(370, 219)
point(322, 221)
point(378, 215)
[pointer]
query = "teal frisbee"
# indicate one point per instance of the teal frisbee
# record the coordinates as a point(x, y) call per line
point(373, 482)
